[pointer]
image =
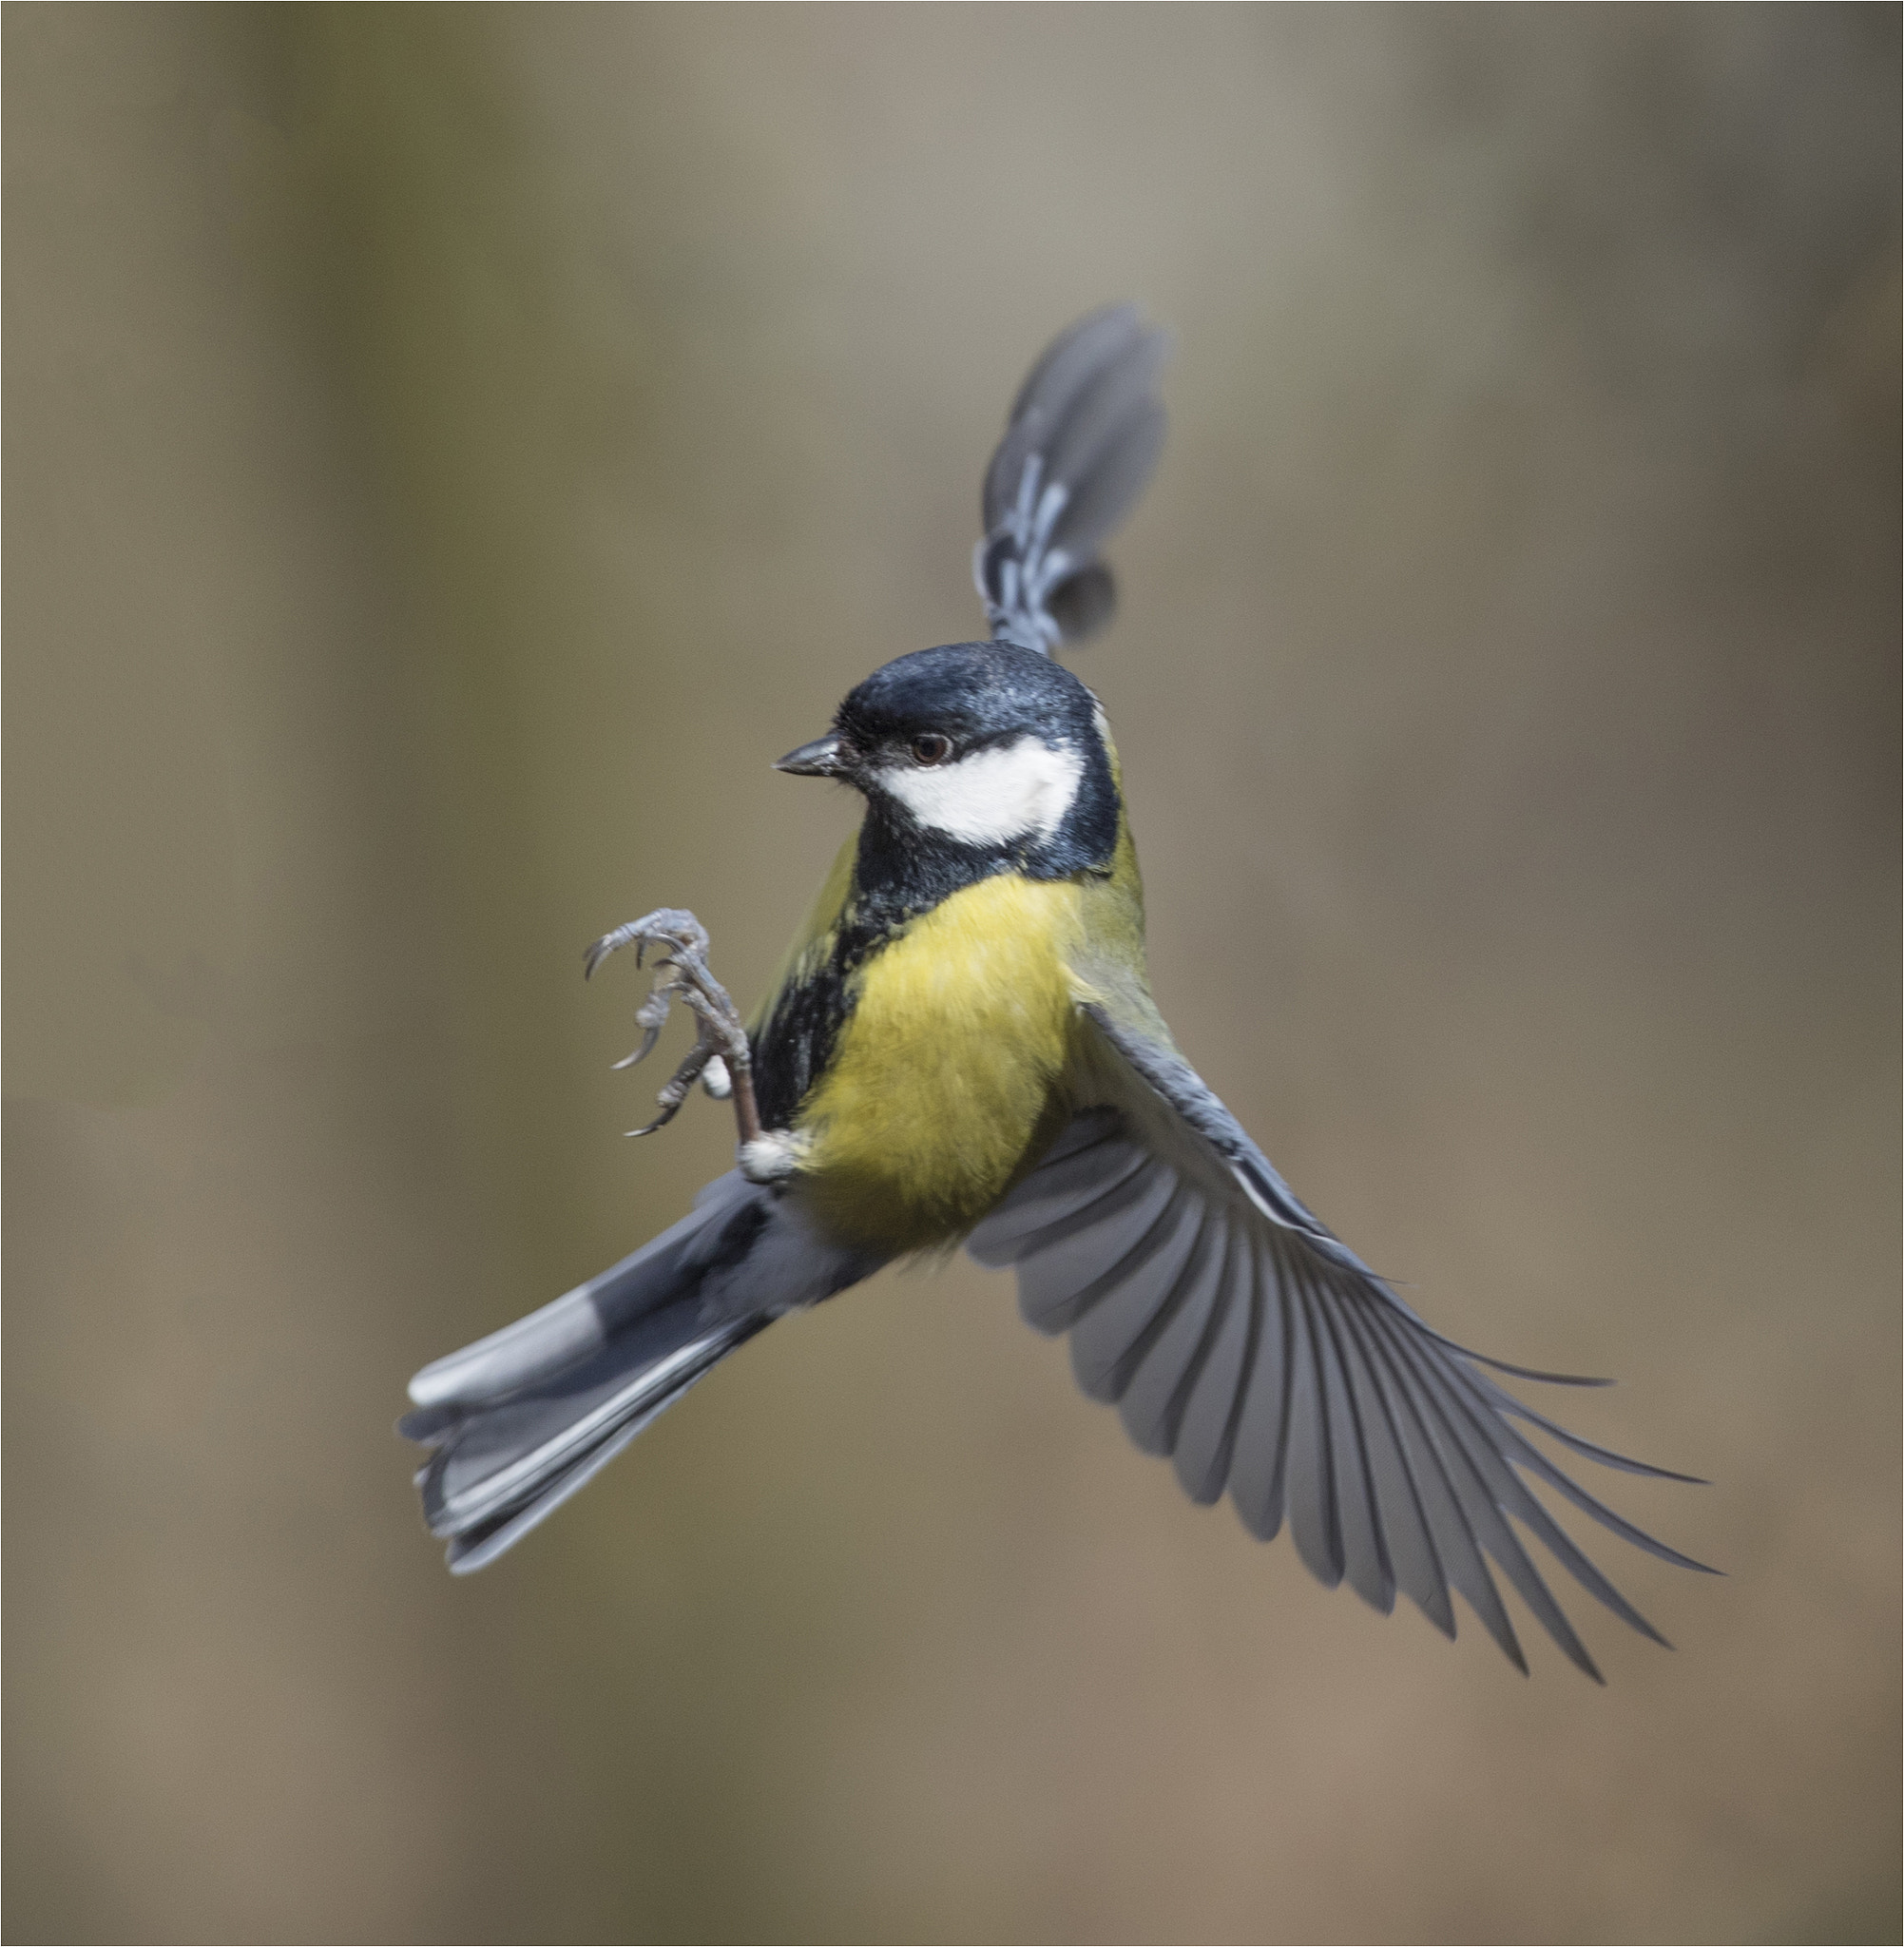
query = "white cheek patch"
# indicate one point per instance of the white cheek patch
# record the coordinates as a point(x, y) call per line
point(1018, 790)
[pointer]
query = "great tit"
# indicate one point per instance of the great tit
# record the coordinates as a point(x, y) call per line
point(961, 1046)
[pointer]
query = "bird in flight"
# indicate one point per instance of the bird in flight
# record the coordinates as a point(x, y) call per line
point(962, 1047)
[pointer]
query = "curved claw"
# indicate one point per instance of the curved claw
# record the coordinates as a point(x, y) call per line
point(721, 1050)
point(670, 1108)
point(608, 943)
point(641, 1054)
point(675, 1091)
point(651, 1017)
point(671, 926)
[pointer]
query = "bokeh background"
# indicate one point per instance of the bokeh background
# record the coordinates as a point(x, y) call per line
point(449, 454)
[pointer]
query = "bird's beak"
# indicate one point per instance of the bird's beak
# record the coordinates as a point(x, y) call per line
point(825, 757)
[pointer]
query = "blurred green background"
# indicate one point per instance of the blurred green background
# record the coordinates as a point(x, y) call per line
point(449, 454)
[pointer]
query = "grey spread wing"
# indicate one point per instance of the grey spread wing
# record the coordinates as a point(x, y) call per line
point(1239, 1336)
point(1082, 441)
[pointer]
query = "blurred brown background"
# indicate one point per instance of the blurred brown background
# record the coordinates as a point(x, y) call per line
point(449, 454)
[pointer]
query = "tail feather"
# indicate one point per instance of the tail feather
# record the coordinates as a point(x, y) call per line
point(1084, 437)
point(522, 1419)
point(581, 1322)
point(509, 1466)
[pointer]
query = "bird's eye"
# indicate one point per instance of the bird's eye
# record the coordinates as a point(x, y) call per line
point(931, 748)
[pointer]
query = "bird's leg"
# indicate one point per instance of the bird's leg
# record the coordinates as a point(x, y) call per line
point(681, 968)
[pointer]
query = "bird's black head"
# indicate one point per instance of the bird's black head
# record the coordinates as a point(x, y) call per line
point(974, 758)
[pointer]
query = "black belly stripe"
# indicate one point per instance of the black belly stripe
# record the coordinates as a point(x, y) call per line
point(900, 871)
point(796, 1040)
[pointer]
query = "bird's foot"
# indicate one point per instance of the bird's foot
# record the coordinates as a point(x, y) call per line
point(721, 1057)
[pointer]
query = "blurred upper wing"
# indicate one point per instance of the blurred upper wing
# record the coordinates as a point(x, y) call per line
point(1240, 1337)
point(1082, 441)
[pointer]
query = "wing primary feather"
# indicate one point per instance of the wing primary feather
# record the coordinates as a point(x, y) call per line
point(1495, 1404)
point(1058, 1285)
point(1056, 1197)
point(1260, 1353)
point(1505, 1402)
point(1419, 1570)
point(1102, 410)
point(1081, 442)
point(1519, 1449)
point(1218, 1312)
point(1498, 1489)
point(1477, 1519)
point(1457, 1547)
point(1112, 1338)
point(1113, 473)
point(1206, 1116)
point(1132, 1342)
point(1479, 1399)
point(1203, 1463)
point(1460, 1549)
point(1109, 1189)
point(1159, 1370)
point(1261, 1437)
point(1310, 1489)
point(1404, 1526)
point(1514, 1496)
point(1358, 1524)
point(1095, 339)
point(1414, 1319)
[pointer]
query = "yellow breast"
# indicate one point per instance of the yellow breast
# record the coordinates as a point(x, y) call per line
point(949, 1067)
